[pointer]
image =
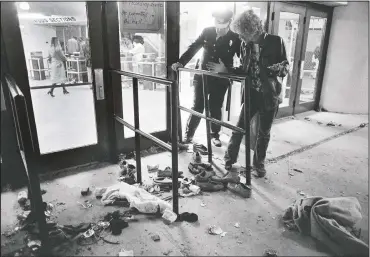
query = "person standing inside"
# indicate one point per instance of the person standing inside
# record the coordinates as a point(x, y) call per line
point(73, 45)
point(137, 52)
point(85, 52)
point(56, 59)
point(218, 42)
point(263, 59)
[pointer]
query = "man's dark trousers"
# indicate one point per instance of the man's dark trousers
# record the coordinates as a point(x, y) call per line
point(217, 88)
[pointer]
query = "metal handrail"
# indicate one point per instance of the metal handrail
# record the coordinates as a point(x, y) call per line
point(136, 128)
point(143, 77)
point(218, 75)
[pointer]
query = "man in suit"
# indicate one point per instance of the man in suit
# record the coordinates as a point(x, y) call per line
point(219, 43)
point(263, 59)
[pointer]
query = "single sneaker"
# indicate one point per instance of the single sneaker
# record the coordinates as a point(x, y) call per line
point(240, 189)
point(230, 177)
point(210, 186)
point(197, 158)
point(216, 142)
point(200, 148)
point(204, 176)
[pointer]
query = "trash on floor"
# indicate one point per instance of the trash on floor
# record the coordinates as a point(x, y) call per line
point(169, 216)
point(22, 197)
point(23, 216)
point(237, 225)
point(297, 170)
point(270, 253)
point(138, 198)
point(330, 221)
point(203, 204)
point(86, 204)
point(85, 192)
point(124, 252)
point(155, 238)
point(43, 191)
point(307, 118)
point(333, 124)
point(167, 252)
point(89, 233)
point(99, 192)
point(188, 217)
point(34, 245)
point(362, 125)
point(215, 230)
point(301, 193)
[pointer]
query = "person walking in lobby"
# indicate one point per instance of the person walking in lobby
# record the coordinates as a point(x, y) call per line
point(56, 59)
point(263, 59)
point(218, 42)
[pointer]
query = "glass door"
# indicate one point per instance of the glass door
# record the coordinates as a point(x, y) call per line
point(53, 51)
point(288, 23)
point(311, 56)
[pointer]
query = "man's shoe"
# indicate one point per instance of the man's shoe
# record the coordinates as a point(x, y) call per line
point(216, 142)
point(240, 189)
point(260, 170)
point(230, 177)
point(167, 173)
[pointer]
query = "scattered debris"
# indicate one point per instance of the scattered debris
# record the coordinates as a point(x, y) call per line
point(23, 216)
point(43, 191)
point(22, 197)
point(60, 203)
point(239, 242)
point(301, 193)
point(237, 225)
point(297, 170)
point(85, 192)
point(189, 217)
point(169, 216)
point(214, 230)
point(34, 245)
point(333, 124)
point(88, 204)
point(362, 125)
point(307, 118)
point(270, 253)
point(99, 192)
point(124, 252)
point(202, 204)
point(319, 122)
point(290, 174)
point(167, 252)
point(89, 233)
point(155, 238)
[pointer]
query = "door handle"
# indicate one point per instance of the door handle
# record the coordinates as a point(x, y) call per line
point(302, 70)
point(99, 84)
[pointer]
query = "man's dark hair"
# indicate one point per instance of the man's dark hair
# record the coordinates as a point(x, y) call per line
point(139, 39)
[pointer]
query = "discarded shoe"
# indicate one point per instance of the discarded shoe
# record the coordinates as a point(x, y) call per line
point(216, 142)
point(85, 191)
point(210, 186)
point(197, 158)
point(230, 177)
point(240, 189)
point(186, 216)
point(200, 148)
point(167, 172)
point(204, 176)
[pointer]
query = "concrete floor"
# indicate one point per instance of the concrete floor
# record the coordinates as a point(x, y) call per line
point(336, 167)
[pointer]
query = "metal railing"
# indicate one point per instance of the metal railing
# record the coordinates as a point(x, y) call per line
point(28, 153)
point(208, 119)
point(173, 86)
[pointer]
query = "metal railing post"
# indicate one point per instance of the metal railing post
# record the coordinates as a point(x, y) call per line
point(178, 79)
point(174, 132)
point(246, 96)
point(206, 111)
point(137, 126)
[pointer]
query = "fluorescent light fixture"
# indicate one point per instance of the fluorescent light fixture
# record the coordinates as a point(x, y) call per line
point(31, 16)
point(24, 6)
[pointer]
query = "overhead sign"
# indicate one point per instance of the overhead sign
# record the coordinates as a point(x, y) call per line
point(55, 20)
point(137, 16)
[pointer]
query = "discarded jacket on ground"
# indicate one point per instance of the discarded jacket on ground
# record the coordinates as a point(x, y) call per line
point(329, 220)
point(138, 198)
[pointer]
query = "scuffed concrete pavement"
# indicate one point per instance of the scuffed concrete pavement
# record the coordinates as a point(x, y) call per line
point(338, 167)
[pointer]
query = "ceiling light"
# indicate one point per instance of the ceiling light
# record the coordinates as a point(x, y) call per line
point(24, 6)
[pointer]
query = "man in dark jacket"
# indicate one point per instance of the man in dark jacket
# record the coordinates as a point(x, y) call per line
point(218, 42)
point(263, 59)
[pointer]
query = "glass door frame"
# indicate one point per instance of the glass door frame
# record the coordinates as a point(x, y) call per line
point(112, 40)
point(307, 106)
point(306, 10)
point(103, 150)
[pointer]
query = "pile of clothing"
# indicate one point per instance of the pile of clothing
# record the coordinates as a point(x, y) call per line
point(332, 221)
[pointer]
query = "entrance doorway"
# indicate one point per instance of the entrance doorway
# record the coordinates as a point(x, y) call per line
point(303, 31)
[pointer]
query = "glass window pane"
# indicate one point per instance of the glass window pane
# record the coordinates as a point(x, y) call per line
point(143, 50)
point(312, 58)
point(288, 31)
point(56, 46)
